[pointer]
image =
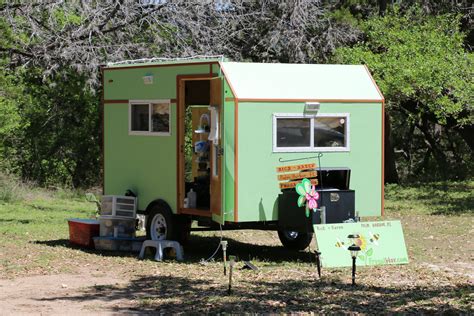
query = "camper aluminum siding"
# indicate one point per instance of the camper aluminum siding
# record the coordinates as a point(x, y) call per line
point(144, 164)
point(252, 95)
point(263, 90)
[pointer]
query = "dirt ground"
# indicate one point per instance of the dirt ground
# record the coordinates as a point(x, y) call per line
point(101, 283)
point(48, 294)
point(41, 273)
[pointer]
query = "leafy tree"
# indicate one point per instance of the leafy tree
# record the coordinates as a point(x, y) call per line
point(425, 73)
point(57, 142)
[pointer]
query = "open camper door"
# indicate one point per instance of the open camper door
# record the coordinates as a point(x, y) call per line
point(216, 149)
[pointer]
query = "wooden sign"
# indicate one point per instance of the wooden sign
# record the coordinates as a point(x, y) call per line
point(292, 184)
point(298, 175)
point(296, 167)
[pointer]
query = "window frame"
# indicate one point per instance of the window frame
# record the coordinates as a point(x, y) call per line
point(311, 147)
point(150, 103)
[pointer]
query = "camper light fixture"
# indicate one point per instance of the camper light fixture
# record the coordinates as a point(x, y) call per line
point(311, 107)
point(148, 79)
point(354, 250)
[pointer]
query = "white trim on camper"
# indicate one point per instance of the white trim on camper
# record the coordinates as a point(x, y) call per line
point(150, 103)
point(311, 147)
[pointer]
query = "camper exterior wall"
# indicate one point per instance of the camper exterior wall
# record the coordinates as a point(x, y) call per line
point(257, 179)
point(144, 164)
point(148, 164)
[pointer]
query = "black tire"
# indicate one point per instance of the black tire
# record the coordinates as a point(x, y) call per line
point(176, 227)
point(160, 224)
point(295, 240)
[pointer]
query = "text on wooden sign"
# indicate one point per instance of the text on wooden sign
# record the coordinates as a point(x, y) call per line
point(298, 175)
point(292, 184)
point(296, 167)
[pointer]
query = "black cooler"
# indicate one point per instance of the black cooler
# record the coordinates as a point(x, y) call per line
point(334, 194)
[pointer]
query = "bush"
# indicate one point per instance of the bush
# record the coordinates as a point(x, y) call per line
point(11, 189)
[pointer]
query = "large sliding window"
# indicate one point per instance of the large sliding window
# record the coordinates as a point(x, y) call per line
point(150, 117)
point(323, 132)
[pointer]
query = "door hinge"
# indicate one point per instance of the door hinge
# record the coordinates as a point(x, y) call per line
point(220, 151)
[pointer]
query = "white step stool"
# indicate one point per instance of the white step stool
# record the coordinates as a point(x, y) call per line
point(160, 245)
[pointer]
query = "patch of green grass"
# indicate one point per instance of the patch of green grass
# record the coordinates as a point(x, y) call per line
point(438, 198)
point(437, 221)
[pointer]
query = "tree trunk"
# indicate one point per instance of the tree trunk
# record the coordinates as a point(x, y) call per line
point(467, 133)
point(382, 7)
point(390, 170)
point(438, 154)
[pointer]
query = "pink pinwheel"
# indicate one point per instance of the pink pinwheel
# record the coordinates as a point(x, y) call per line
point(307, 194)
point(312, 198)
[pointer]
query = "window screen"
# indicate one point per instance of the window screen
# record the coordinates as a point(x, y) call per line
point(160, 117)
point(329, 131)
point(302, 133)
point(293, 132)
point(150, 117)
point(140, 115)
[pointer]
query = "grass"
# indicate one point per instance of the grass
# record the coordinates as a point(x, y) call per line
point(438, 225)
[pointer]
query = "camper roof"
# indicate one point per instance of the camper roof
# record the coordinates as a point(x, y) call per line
point(255, 81)
point(282, 82)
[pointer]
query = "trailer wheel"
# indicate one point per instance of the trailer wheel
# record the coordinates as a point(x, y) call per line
point(295, 240)
point(160, 224)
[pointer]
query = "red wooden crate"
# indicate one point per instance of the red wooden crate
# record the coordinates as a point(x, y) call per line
point(82, 231)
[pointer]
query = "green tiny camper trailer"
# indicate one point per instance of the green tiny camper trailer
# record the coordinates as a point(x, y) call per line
point(202, 139)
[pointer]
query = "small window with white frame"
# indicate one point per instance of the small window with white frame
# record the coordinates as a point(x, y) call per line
point(150, 117)
point(323, 132)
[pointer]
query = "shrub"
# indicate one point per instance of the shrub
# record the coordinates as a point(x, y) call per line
point(11, 189)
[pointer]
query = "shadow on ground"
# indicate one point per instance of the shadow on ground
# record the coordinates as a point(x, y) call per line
point(202, 247)
point(171, 294)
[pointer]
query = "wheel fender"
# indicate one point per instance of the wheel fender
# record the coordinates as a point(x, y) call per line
point(161, 204)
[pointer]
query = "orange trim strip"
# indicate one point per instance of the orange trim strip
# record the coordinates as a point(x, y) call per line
point(383, 158)
point(126, 101)
point(115, 101)
point(313, 100)
point(236, 159)
point(227, 79)
point(373, 81)
point(229, 99)
point(165, 65)
point(178, 111)
point(102, 104)
point(180, 78)
point(383, 138)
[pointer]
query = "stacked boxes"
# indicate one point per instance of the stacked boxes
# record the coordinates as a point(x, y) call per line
point(118, 216)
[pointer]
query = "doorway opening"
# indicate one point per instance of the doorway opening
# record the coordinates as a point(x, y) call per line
point(197, 124)
point(199, 180)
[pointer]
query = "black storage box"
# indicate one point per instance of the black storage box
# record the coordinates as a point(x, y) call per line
point(340, 206)
point(334, 194)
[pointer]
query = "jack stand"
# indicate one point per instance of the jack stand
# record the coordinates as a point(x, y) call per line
point(224, 249)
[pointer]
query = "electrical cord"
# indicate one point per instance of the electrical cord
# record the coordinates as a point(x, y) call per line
point(217, 249)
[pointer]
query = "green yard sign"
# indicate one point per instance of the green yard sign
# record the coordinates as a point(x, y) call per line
point(380, 242)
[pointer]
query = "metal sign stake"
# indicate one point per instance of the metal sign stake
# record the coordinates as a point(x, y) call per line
point(231, 267)
point(224, 249)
